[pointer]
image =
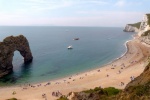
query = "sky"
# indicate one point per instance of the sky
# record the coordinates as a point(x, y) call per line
point(107, 13)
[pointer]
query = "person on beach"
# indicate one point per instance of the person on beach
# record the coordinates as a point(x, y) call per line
point(119, 72)
point(122, 83)
point(107, 75)
point(14, 92)
point(132, 78)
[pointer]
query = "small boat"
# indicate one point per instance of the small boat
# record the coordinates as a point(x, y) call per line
point(70, 47)
point(76, 39)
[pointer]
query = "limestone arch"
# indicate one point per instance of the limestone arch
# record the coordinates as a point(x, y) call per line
point(8, 47)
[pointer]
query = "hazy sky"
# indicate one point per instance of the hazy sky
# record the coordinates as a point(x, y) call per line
point(114, 13)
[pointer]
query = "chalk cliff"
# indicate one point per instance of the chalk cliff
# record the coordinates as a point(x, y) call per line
point(132, 27)
point(145, 24)
point(7, 48)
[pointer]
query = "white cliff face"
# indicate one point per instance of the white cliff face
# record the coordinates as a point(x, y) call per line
point(130, 28)
point(144, 25)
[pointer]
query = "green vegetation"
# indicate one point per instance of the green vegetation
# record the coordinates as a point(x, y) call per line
point(106, 91)
point(137, 25)
point(97, 89)
point(141, 90)
point(12, 99)
point(95, 94)
point(148, 15)
point(111, 91)
point(137, 92)
point(146, 33)
point(63, 98)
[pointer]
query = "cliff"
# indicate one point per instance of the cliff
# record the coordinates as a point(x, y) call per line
point(7, 48)
point(132, 27)
point(145, 24)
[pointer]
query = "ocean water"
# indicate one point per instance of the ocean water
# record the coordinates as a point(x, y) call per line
point(97, 46)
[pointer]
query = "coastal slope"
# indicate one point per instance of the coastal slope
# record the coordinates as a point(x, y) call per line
point(139, 88)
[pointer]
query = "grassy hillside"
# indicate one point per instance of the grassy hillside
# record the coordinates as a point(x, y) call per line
point(97, 93)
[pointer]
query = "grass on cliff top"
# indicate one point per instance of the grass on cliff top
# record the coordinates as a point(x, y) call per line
point(148, 15)
point(106, 91)
point(100, 93)
point(137, 25)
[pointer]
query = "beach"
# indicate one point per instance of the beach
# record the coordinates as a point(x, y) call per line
point(115, 74)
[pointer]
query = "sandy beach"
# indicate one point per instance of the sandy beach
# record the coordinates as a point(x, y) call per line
point(116, 74)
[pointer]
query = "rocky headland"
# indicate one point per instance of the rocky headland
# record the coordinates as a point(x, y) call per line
point(8, 47)
point(132, 27)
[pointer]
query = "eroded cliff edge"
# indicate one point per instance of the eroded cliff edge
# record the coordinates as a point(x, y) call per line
point(132, 27)
point(7, 48)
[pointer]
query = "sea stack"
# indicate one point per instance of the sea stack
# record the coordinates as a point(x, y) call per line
point(8, 47)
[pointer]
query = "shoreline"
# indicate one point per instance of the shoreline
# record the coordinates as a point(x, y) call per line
point(132, 62)
point(88, 70)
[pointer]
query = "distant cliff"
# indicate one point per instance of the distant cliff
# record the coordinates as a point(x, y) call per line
point(7, 48)
point(132, 27)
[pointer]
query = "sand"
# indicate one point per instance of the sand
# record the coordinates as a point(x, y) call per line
point(110, 75)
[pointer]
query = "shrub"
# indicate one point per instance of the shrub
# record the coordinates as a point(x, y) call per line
point(12, 99)
point(93, 90)
point(63, 98)
point(112, 91)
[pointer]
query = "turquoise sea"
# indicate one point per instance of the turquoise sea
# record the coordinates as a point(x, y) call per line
point(97, 46)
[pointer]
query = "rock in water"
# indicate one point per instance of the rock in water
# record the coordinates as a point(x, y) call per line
point(7, 48)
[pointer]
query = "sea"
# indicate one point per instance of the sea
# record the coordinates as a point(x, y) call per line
point(97, 46)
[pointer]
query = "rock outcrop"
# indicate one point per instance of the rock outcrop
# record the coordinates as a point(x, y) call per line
point(7, 48)
point(132, 27)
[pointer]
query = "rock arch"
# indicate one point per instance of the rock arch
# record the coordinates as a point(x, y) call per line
point(7, 48)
